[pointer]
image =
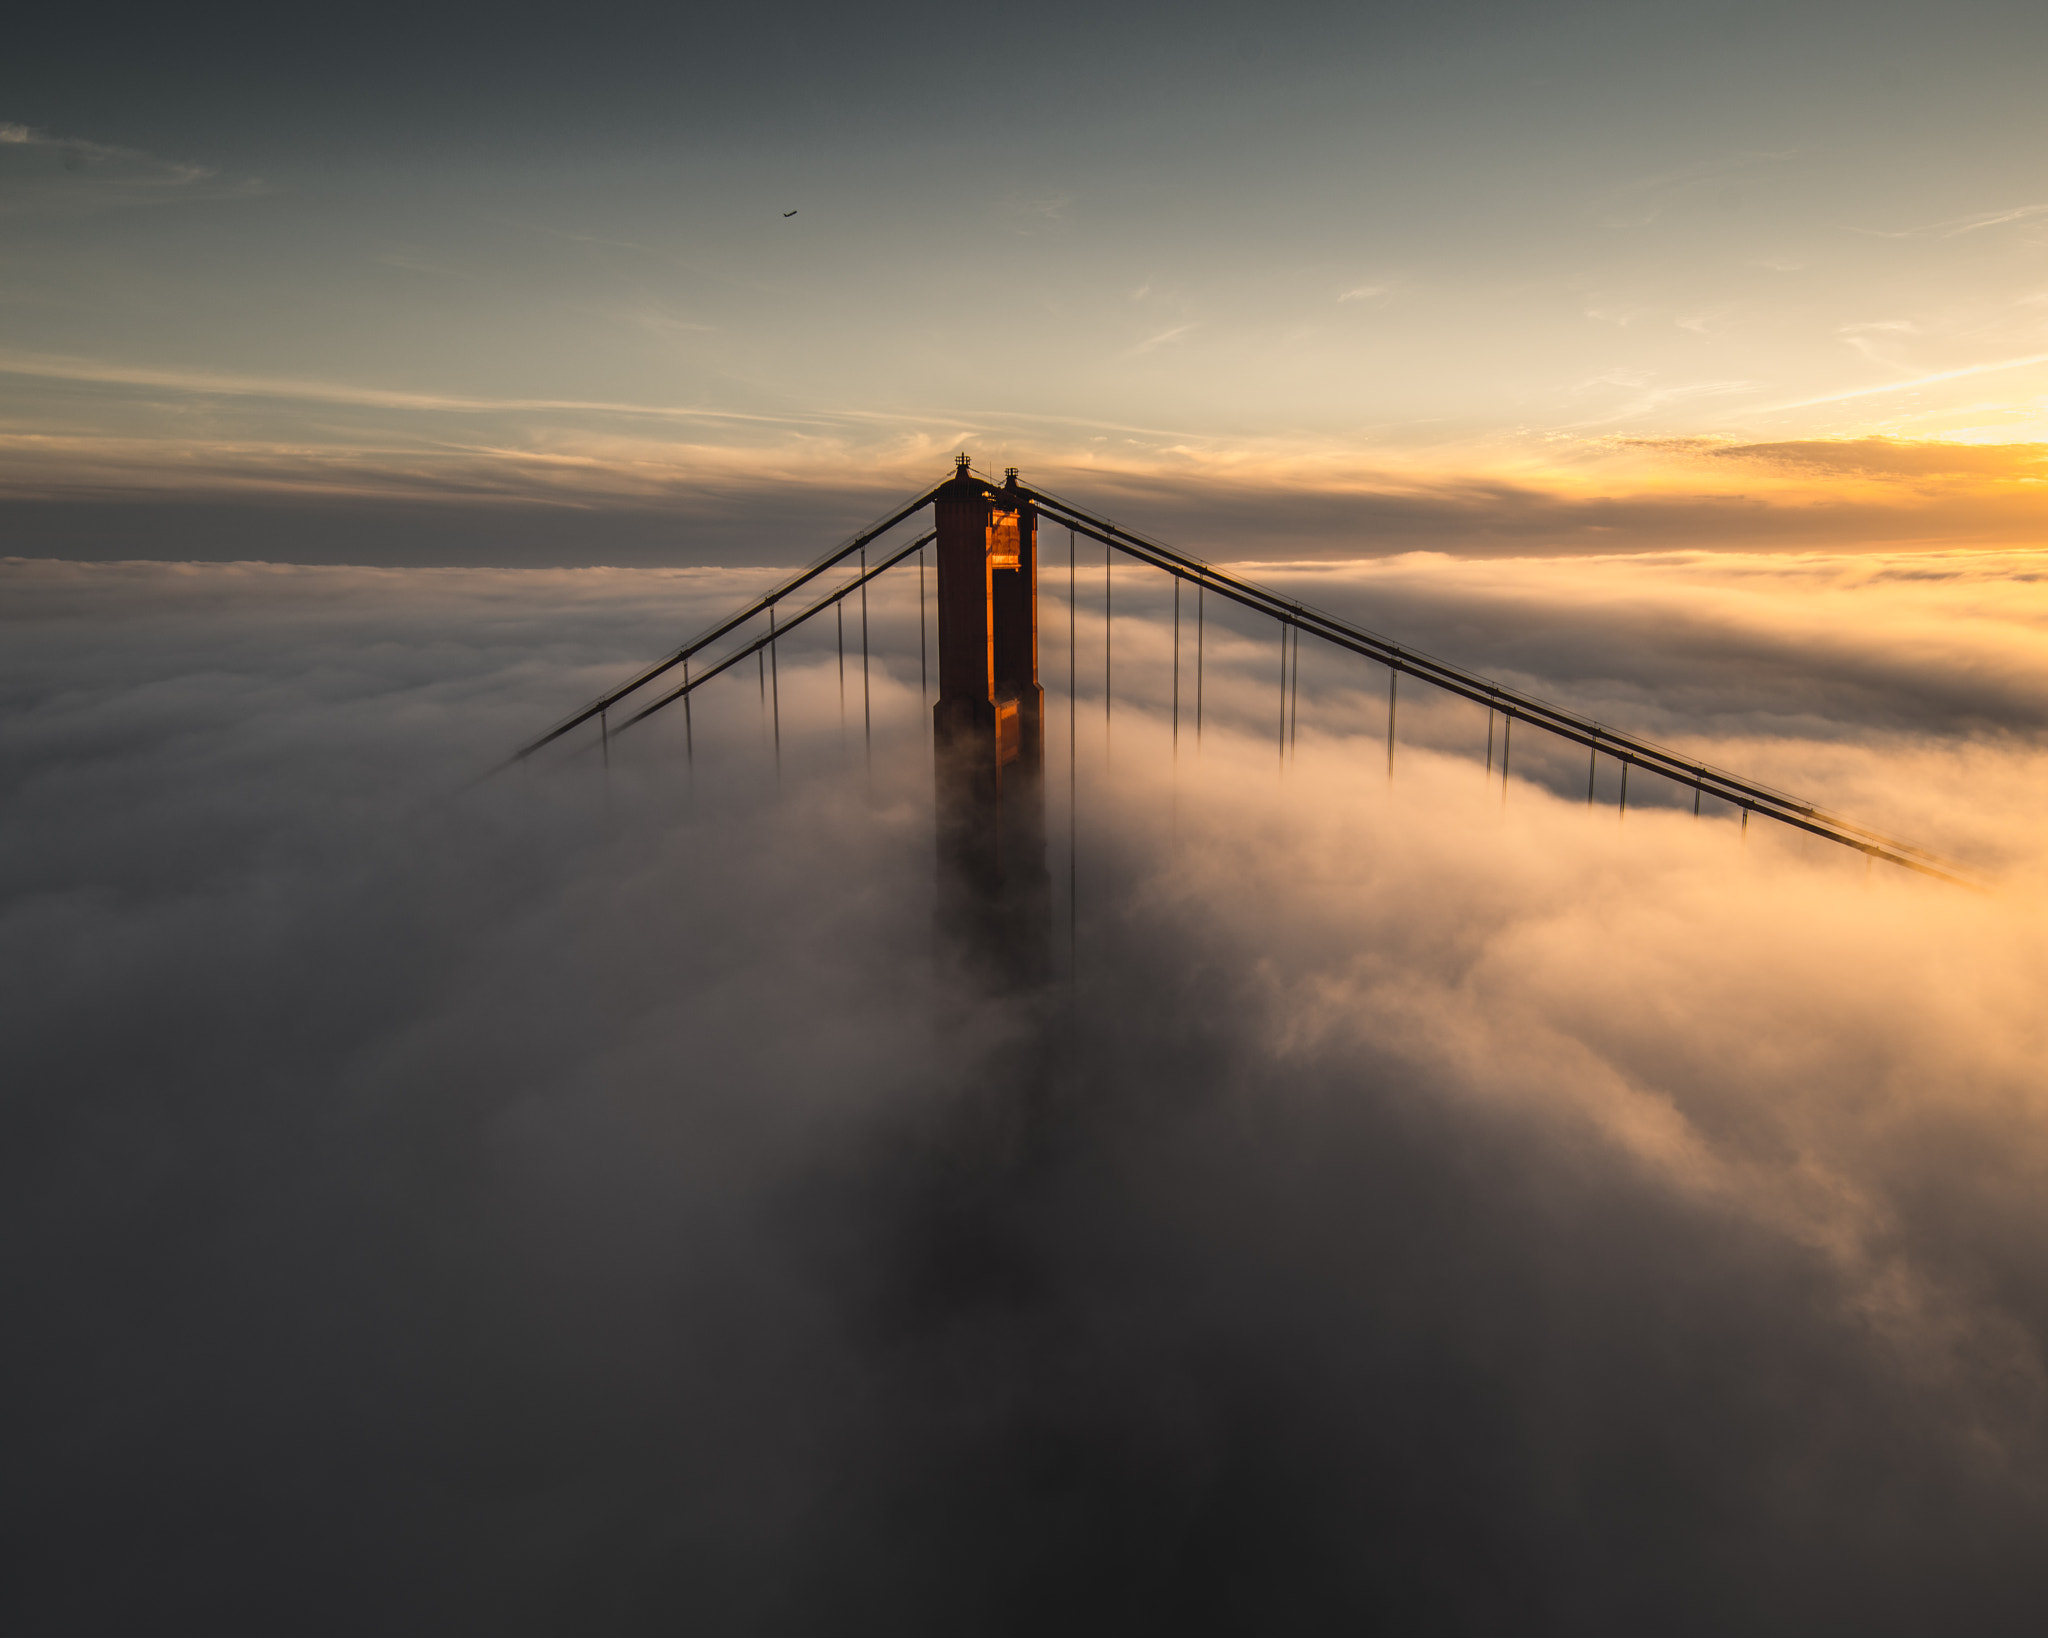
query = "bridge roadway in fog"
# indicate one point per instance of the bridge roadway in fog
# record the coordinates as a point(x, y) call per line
point(1631, 750)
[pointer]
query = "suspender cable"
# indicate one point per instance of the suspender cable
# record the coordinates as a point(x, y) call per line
point(1567, 725)
point(1294, 697)
point(1283, 694)
point(1393, 691)
point(1073, 793)
point(1199, 590)
point(1176, 668)
point(867, 714)
point(775, 689)
point(732, 623)
point(691, 684)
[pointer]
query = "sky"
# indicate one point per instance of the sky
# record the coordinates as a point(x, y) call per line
point(1332, 280)
point(1432, 1195)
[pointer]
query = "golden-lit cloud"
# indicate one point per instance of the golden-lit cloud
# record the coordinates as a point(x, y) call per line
point(1896, 458)
point(84, 428)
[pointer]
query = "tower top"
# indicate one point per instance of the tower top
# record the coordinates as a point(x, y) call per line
point(963, 486)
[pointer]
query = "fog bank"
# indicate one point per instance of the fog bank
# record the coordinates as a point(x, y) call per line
point(586, 1202)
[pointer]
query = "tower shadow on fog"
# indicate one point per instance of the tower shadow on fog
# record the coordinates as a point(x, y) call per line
point(988, 735)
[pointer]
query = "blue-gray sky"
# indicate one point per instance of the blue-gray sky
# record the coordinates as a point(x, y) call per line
point(533, 268)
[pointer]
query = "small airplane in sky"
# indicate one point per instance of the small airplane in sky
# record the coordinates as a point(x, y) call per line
point(787, 214)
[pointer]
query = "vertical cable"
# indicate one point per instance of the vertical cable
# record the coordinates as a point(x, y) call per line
point(1176, 668)
point(924, 675)
point(1393, 693)
point(1201, 589)
point(1294, 699)
point(1696, 793)
point(1073, 798)
point(1489, 745)
point(1507, 743)
point(775, 688)
point(839, 615)
point(689, 731)
point(1592, 764)
point(1283, 694)
point(1107, 633)
point(1623, 813)
point(867, 714)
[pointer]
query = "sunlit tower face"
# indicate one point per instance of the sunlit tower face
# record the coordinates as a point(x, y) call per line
point(1002, 540)
point(1004, 563)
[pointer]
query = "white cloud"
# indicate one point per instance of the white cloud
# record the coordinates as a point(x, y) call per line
point(1975, 224)
point(1164, 338)
point(73, 175)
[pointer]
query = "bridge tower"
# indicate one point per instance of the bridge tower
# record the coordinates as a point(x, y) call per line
point(989, 729)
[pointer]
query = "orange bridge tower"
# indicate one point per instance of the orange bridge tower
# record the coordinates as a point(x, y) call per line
point(989, 728)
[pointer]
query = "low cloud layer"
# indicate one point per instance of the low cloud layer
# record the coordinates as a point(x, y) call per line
point(110, 461)
point(1894, 457)
point(178, 505)
point(582, 1203)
